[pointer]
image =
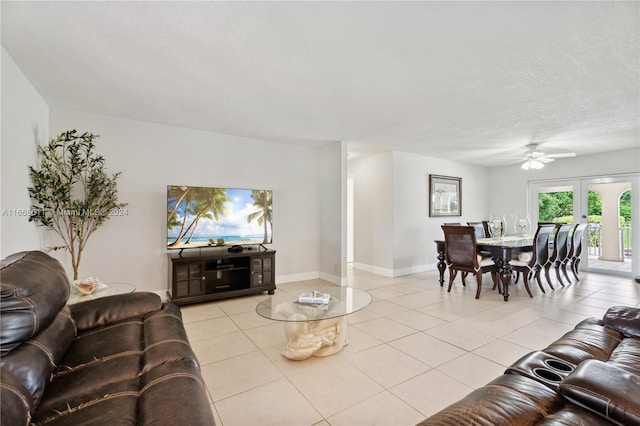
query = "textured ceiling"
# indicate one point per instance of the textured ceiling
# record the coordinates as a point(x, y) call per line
point(470, 81)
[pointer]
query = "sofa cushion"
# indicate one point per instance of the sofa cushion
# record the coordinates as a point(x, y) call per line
point(16, 403)
point(165, 338)
point(605, 389)
point(33, 289)
point(624, 319)
point(33, 361)
point(111, 309)
point(158, 390)
point(508, 397)
point(627, 355)
point(589, 339)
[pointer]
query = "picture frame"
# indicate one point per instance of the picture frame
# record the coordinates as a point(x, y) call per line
point(445, 196)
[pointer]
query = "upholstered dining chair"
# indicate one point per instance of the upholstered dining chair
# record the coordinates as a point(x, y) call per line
point(482, 229)
point(461, 254)
point(572, 260)
point(558, 254)
point(530, 264)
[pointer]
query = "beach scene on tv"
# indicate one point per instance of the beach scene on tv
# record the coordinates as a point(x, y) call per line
point(201, 217)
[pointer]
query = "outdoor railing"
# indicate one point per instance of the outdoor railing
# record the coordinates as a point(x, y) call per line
point(594, 241)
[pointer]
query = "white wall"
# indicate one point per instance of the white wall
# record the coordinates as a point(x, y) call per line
point(151, 156)
point(25, 124)
point(332, 209)
point(394, 233)
point(373, 212)
point(413, 230)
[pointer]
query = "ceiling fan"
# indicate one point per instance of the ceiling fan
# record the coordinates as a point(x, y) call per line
point(536, 159)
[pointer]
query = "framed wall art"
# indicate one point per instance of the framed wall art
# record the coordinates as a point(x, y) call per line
point(445, 196)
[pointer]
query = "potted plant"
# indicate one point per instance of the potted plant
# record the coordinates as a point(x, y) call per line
point(72, 194)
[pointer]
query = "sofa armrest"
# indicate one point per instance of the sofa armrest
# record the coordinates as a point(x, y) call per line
point(110, 309)
point(606, 390)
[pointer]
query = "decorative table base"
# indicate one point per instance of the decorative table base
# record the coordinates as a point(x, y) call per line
point(314, 338)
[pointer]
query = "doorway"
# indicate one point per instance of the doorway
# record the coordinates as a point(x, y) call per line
point(605, 205)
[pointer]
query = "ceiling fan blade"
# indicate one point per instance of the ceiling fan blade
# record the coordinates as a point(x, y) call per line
point(562, 155)
point(545, 159)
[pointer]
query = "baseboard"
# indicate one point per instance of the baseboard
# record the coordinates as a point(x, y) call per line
point(281, 279)
point(394, 272)
point(373, 269)
point(334, 279)
point(413, 270)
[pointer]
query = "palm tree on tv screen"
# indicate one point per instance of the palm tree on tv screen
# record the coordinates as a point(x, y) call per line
point(262, 200)
point(196, 203)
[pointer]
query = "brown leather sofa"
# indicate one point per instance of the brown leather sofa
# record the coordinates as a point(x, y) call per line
point(117, 360)
point(590, 376)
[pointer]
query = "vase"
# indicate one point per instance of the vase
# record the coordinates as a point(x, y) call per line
point(522, 226)
point(497, 226)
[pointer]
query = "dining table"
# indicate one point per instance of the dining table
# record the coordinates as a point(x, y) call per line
point(502, 250)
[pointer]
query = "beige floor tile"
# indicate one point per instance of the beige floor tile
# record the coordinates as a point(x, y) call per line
point(383, 409)
point(362, 315)
point(199, 312)
point(419, 299)
point(417, 320)
point(238, 374)
point(387, 365)
point(460, 335)
point(222, 347)
point(358, 340)
point(384, 376)
point(289, 367)
point(385, 308)
point(565, 316)
point(384, 293)
point(384, 329)
point(539, 334)
point(333, 390)
point(502, 352)
point(248, 320)
point(277, 403)
point(268, 335)
point(239, 305)
point(472, 370)
point(430, 392)
point(427, 349)
point(210, 328)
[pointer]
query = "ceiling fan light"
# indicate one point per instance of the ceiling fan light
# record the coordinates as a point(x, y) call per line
point(532, 163)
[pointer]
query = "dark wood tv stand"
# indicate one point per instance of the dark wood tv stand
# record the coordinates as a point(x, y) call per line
point(200, 275)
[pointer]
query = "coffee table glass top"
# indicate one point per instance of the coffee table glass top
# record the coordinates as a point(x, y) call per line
point(110, 290)
point(285, 307)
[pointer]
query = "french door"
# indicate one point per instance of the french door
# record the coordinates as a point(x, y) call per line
point(608, 205)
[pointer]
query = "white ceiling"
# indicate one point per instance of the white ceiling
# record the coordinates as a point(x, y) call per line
point(469, 81)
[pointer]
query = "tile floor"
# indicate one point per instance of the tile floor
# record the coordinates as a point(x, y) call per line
point(414, 350)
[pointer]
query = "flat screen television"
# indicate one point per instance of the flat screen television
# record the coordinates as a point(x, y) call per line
point(205, 216)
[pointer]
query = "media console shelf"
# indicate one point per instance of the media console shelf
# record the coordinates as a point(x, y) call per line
point(200, 275)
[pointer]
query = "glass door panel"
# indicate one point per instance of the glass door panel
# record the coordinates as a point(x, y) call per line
point(605, 204)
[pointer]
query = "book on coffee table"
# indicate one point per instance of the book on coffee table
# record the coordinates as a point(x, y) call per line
point(314, 298)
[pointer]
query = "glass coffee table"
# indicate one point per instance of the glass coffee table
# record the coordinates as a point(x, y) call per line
point(314, 330)
point(110, 290)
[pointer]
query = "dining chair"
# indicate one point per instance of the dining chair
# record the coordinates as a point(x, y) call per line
point(482, 229)
point(573, 256)
point(461, 255)
point(558, 254)
point(531, 266)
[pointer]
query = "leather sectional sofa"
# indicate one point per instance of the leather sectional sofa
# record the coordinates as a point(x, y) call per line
point(117, 360)
point(590, 376)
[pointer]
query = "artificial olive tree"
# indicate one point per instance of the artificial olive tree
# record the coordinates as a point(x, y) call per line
point(72, 194)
